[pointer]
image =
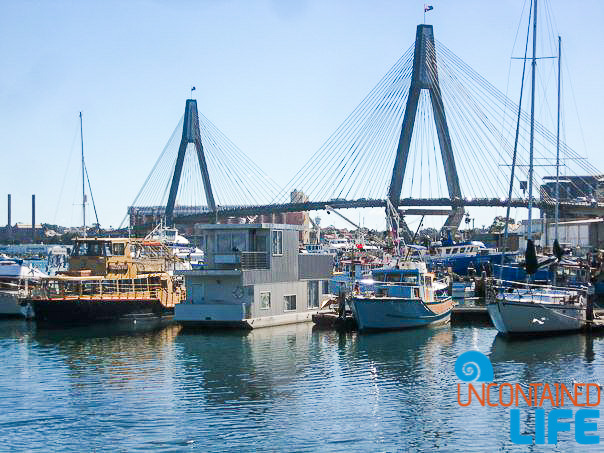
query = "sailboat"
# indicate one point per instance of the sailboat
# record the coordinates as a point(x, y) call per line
point(527, 308)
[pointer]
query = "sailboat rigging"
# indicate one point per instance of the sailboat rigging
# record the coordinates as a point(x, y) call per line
point(84, 179)
point(514, 306)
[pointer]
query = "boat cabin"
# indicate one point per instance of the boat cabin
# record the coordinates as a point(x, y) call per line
point(115, 257)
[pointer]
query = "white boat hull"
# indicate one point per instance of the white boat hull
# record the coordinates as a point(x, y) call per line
point(10, 305)
point(535, 318)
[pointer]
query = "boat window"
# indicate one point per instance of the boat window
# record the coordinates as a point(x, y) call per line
point(462, 250)
point(80, 249)
point(410, 279)
point(428, 281)
point(455, 250)
point(107, 249)
point(325, 286)
point(447, 251)
point(277, 242)
point(223, 242)
point(393, 277)
point(313, 294)
point(239, 242)
point(265, 300)
point(118, 248)
point(290, 302)
point(88, 249)
point(378, 277)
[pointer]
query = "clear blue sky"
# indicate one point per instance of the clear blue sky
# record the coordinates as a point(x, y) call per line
point(275, 76)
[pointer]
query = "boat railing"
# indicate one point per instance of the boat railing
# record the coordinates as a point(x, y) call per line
point(254, 260)
point(140, 288)
point(557, 294)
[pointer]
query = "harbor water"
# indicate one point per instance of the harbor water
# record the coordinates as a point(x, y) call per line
point(288, 388)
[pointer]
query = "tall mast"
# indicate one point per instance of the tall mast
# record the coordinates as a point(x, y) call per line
point(530, 175)
point(83, 177)
point(557, 213)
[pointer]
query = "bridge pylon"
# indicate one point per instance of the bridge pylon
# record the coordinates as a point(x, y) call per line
point(425, 77)
point(190, 134)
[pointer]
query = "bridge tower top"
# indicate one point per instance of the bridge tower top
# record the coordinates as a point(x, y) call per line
point(190, 134)
point(425, 77)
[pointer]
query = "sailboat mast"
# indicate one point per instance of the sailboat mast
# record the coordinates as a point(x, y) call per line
point(530, 175)
point(83, 177)
point(557, 209)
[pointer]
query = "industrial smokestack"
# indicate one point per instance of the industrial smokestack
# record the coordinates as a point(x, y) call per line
point(33, 218)
point(9, 213)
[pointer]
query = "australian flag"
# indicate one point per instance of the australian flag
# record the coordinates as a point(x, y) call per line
point(428, 8)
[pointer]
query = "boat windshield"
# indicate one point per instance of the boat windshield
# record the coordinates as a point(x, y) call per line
point(90, 249)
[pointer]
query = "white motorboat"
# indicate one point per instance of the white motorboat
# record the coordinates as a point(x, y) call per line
point(15, 281)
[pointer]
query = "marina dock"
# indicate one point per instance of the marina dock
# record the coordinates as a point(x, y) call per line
point(460, 316)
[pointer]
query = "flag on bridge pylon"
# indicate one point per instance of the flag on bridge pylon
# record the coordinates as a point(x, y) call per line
point(428, 8)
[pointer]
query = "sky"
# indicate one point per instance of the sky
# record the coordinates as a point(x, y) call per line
point(276, 76)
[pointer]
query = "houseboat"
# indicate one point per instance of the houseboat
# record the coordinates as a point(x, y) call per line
point(254, 276)
point(109, 279)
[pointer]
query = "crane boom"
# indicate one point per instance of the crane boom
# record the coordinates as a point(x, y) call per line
point(329, 208)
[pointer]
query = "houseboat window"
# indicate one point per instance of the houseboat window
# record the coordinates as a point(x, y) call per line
point(290, 302)
point(118, 248)
point(239, 242)
point(325, 286)
point(223, 242)
point(265, 300)
point(313, 294)
point(277, 242)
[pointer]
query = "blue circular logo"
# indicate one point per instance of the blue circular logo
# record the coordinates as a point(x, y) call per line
point(474, 366)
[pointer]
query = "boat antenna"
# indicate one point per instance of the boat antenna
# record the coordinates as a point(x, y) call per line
point(83, 180)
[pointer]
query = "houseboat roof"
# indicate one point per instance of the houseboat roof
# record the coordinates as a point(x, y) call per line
point(105, 239)
point(248, 226)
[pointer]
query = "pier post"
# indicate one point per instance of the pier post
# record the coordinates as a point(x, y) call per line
point(425, 77)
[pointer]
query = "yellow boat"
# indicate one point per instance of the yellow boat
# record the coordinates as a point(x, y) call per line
point(109, 279)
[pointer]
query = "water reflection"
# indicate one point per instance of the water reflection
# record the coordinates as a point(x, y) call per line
point(224, 366)
point(281, 388)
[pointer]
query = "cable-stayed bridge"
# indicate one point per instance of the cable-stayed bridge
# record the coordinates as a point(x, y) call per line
point(431, 134)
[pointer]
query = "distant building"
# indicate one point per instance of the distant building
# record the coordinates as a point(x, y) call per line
point(573, 188)
point(144, 218)
point(21, 233)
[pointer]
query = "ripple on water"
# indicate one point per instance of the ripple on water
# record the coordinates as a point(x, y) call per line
point(287, 389)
